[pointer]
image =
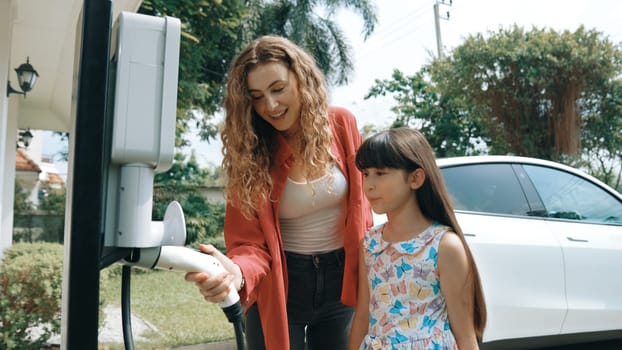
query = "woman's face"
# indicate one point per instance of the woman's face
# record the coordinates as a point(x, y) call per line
point(275, 97)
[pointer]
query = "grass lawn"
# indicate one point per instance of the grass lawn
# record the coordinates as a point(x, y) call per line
point(172, 305)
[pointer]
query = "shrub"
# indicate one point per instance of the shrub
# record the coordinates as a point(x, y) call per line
point(30, 294)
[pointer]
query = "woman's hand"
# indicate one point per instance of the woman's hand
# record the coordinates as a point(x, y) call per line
point(216, 288)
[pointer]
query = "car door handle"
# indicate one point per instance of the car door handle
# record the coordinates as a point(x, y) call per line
point(576, 239)
point(469, 234)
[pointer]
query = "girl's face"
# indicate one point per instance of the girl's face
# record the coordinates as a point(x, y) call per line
point(275, 96)
point(389, 190)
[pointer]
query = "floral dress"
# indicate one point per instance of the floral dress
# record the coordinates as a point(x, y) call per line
point(406, 309)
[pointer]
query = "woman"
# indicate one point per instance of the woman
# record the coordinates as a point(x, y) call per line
point(295, 206)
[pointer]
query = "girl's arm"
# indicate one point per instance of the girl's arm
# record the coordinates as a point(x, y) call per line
point(360, 323)
point(457, 288)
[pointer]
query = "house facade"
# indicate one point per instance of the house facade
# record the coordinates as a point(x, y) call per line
point(36, 177)
point(43, 34)
point(27, 174)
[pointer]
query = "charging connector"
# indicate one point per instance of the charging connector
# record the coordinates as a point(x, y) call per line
point(183, 259)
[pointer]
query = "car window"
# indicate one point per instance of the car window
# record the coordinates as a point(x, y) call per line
point(490, 188)
point(568, 196)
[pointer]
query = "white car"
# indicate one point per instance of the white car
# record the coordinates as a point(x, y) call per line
point(547, 240)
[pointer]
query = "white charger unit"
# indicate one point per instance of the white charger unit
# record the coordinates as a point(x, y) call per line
point(147, 64)
point(144, 72)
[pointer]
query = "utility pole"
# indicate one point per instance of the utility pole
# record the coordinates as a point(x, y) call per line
point(437, 17)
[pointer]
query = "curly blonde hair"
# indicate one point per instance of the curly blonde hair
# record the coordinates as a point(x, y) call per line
point(248, 140)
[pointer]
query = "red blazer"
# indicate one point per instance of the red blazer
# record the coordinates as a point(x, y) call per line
point(256, 244)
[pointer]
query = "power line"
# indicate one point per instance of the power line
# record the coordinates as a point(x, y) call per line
point(397, 31)
point(397, 38)
point(399, 23)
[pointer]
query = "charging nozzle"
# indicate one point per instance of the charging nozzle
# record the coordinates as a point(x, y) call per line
point(189, 260)
point(182, 259)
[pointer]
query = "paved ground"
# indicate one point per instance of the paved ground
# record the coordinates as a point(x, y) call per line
point(227, 345)
point(112, 332)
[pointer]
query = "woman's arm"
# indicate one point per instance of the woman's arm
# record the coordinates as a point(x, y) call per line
point(457, 289)
point(360, 323)
point(247, 257)
point(247, 248)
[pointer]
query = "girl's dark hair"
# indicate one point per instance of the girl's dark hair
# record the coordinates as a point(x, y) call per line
point(408, 149)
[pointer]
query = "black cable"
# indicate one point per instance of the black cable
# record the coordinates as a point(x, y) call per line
point(235, 315)
point(240, 341)
point(126, 313)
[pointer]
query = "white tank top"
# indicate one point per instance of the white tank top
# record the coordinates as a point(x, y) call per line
point(311, 214)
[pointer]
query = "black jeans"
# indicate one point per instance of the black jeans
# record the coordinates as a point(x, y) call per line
point(317, 318)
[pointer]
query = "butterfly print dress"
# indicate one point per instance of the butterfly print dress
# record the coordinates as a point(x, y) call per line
point(406, 309)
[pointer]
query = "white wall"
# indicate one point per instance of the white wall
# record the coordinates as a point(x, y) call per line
point(7, 132)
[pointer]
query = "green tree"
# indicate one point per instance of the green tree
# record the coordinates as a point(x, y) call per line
point(52, 209)
point(448, 123)
point(312, 25)
point(602, 133)
point(21, 204)
point(23, 211)
point(53, 200)
point(528, 85)
point(212, 33)
point(539, 93)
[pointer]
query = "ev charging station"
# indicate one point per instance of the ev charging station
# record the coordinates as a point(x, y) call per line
point(142, 100)
point(135, 137)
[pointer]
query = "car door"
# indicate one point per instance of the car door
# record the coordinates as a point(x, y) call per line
point(518, 258)
point(588, 222)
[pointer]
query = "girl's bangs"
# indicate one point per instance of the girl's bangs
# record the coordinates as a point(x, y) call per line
point(377, 152)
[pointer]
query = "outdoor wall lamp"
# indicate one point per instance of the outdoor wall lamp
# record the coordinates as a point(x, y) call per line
point(24, 137)
point(26, 77)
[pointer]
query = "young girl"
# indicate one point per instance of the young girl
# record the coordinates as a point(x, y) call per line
point(418, 284)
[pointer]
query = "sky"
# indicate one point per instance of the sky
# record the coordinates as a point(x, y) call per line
point(405, 39)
